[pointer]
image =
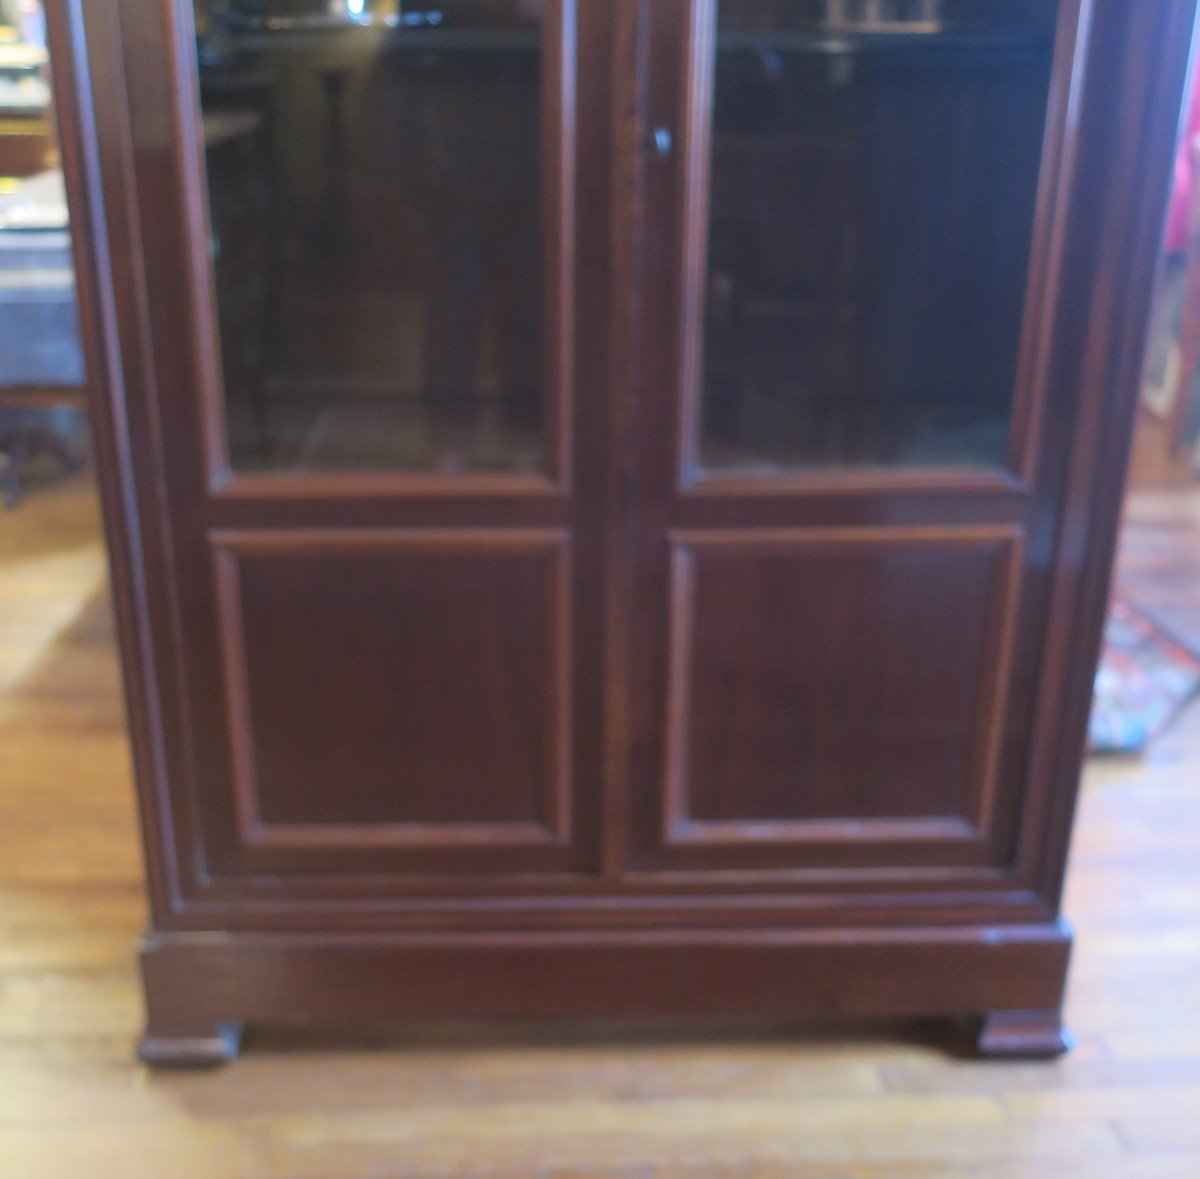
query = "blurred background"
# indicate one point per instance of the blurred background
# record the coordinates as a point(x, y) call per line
point(42, 422)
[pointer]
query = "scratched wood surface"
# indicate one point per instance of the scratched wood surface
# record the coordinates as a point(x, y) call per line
point(831, 1100)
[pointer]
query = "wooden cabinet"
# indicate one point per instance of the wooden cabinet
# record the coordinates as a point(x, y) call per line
point(612, 502)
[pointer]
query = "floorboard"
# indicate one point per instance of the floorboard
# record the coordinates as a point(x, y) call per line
point(835, 1100)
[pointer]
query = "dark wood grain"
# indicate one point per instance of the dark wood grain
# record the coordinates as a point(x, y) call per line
point(454, 649)
point(930, 971)
point(680, 858)
point(773, 738)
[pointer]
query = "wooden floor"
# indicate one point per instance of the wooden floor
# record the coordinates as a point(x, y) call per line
point(882, 1100)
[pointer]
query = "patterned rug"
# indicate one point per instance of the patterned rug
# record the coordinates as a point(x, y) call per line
point(1145, 678)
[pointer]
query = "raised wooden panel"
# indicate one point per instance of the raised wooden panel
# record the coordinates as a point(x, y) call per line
point(397, 688)
point(837, 685)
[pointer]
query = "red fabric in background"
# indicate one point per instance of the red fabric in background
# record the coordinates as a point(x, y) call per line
point(1185, 176)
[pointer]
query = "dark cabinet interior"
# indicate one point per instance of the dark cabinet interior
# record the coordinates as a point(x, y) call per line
point(379, 272)
point(612, 503)
point(870, 193)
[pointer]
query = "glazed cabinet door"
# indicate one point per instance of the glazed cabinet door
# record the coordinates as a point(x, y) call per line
point(851, 459)
point(370, 434)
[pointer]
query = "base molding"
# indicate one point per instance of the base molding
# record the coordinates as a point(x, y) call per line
point(1023, 1035)
point(200, 983)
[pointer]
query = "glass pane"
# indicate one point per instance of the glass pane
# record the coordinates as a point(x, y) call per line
point(874, 175)
point(373, 173)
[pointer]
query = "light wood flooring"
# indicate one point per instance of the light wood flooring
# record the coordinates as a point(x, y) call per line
point(886, 1100)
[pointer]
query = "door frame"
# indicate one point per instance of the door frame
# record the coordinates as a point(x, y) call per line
point(137, 182)
point(1093, 266)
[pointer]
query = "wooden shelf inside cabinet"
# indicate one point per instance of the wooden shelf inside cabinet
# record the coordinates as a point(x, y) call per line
point(947, 45)
point(307, 40)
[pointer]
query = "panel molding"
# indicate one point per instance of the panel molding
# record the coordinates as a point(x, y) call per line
point(230, 547)
point(681, 830)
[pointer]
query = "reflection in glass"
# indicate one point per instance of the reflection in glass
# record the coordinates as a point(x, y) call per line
point(873, 181)
point(373, 175)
